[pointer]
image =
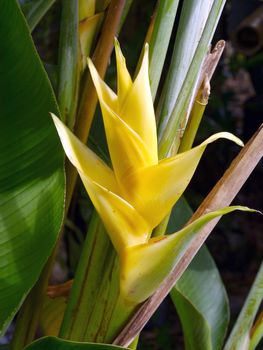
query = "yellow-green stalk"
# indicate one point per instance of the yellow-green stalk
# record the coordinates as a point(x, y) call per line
point(196, 115)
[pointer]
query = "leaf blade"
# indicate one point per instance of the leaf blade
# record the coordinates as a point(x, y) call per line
point(31, 163)
point(54, 343)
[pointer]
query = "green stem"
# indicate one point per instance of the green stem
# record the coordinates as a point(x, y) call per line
point(28, 316)
point(160, 38)
point(257, 333)
point(168, 128)
point(240, 333)
point(195, 117)
point(68, 62)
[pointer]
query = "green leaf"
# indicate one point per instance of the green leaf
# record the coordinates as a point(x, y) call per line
point(201, 302)
point(54, 343)
point(257, 333)
point(69, 70)
point(168, 127)
point(31, 163)
point(193, 15)
point(52, 314)
point(240, 334)
point(199, 296)
point(162, 30)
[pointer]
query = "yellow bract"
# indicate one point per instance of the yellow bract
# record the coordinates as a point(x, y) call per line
point(134, 196)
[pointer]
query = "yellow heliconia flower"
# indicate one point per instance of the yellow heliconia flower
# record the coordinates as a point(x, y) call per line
point(139, 191)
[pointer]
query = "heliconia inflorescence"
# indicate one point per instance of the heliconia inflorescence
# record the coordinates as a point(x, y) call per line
point(138, 191)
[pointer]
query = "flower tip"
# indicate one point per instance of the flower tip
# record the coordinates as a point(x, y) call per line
point(239, 142)
point(54, 117)
point(89, 62)
point(146, 47)
point(116, 42)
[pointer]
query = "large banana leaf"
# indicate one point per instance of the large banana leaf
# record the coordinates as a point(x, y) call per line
point(199, 295)
point(31, 164)
point(53, 343)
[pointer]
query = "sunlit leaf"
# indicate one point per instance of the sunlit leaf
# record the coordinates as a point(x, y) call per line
point(31, 164)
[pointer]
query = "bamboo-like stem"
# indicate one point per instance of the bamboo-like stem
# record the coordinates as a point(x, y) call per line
point(193, 15)
point(28, 317)
point(241, 332)
point(69, 64)
point(165, 16)
point(256, 332)
point(169, 128)
point(206, 70)
point(221, 195)
point(195, 117)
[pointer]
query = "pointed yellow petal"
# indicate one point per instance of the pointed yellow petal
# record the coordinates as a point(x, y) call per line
point(123, 76)
point(144, 267)
point(123, 223)
point(137, 110)
point(154, 190)
point(127, 150)
point(105, 94)
point(86, 161)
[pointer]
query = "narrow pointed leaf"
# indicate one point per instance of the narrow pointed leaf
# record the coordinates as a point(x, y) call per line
point(31, 163)
point(68, 62)
point(144, 267)
point(162, 30)
point(193, 15)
